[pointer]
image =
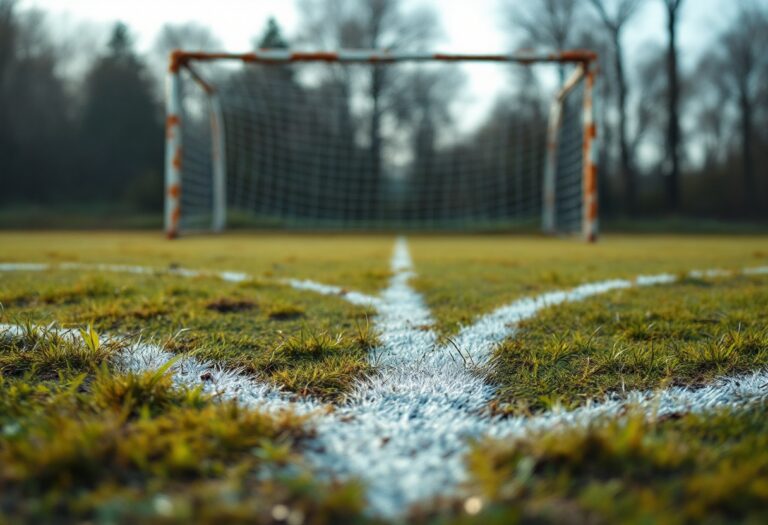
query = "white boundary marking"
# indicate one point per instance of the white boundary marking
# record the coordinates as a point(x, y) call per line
point(405, 430)
point(233, 277)
point(229, 384)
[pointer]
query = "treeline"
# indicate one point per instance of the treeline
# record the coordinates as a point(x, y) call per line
point(95, 140)
point(371, 144)
point(675, 138)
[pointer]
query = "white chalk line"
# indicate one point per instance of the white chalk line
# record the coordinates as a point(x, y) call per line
point(229, 276)
point(186, 371)
point(406, 429)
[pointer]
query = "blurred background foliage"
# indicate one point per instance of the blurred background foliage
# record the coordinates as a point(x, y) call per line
point(677, 142)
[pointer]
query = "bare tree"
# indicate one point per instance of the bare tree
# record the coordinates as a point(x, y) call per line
point(673, 8)
point(743, 62)
point(189, 36)
point(712, 116)
point(649, 121)
point(545, 23)
point(374, 24)
point(614, 16)
point(423, 110)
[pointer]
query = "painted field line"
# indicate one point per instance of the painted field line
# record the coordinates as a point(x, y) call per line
point(229, 276)
point(229, 384)
point(405, 430)
point(725, 392)
point(225, 275)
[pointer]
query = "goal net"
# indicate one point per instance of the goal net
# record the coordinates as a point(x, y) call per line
point(373, 140)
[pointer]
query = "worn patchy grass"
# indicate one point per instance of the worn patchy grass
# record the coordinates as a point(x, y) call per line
point(82, 442)
point(691, 469)
point(94, 444)
point(465, 277)
point(360, 262)
point(683, 334)
point(248, 325)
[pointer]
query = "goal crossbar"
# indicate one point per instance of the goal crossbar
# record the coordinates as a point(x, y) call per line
point(179, 60)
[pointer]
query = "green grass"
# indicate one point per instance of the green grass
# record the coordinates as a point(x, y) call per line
point(308, 344)
point(684, 334)
point(464, 277)
point(81, 441)
point(95, 444)
point(691, 469)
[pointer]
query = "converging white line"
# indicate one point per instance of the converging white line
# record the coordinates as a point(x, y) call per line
point(405, 430)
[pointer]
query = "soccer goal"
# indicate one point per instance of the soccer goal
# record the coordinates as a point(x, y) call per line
point(379, 140)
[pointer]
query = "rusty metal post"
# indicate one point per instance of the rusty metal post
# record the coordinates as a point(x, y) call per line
point(219, 156)
point(173, 148)
point(589, 201)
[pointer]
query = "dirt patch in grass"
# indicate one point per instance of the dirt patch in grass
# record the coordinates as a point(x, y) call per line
point(285, 312)
point(227, 305)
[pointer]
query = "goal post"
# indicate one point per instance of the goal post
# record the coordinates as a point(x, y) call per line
point(257, 143)
point(589, 226)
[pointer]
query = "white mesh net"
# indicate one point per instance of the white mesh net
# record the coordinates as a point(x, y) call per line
point(392, 146)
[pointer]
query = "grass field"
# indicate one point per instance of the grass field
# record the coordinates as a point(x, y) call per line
point(86, 437)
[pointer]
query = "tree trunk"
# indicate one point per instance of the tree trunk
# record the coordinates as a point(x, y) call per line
point(627, 173)
point(748, 174)
point(607, 204)
point(673, 126)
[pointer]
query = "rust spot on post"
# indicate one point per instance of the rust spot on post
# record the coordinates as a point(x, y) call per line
point(177, 159)
point(170, 124)
point(174, 191)
point(319, 56)
point(592, 210)
point(591, 182)
point(177, 59)
point(577, 55)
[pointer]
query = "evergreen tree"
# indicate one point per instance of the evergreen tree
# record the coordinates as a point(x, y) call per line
point(121, 128)
point(272, 38)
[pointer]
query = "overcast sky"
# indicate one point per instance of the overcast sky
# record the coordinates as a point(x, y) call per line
point(469, 25)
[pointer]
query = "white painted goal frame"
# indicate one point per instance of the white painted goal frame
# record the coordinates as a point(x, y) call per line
point(584, 73)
